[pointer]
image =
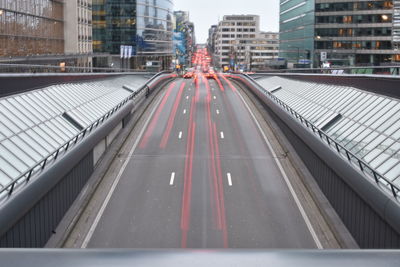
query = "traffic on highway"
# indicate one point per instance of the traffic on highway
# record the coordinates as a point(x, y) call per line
point(203, 172)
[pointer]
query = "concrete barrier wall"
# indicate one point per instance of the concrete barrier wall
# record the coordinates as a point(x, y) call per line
point(371, 216)
point(11, 84)
point(383, 85)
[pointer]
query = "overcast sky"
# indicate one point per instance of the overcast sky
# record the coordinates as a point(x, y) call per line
point(205, 13)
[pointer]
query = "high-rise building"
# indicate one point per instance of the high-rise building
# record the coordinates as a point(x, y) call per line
point(155, 31)
point(396, 28)
point(355, 32)
point(31, 30)
point(211, 38)
point(240, 44)
point(297, 22)
point(114, 24)
point(146, 25)
point(78, 30)
point(184, 38)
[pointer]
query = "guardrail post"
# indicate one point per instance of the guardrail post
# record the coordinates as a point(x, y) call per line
point(11, 189)
point(348, 155)
point(361, 165)
point(393, 191)
point(44, 163)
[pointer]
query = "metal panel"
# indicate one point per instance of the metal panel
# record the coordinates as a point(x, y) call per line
point(36, 226)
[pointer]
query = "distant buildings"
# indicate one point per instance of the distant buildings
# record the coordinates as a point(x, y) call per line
point(46, 32)
point(184, 38)
point(297, 34)
point(238, 43)
point(144, 25)
point(212, 32)
point(351, 33)
point(78, 30)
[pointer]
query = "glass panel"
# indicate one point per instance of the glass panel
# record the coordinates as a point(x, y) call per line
point(372, 146)
point(378, 112)
point(383, 146)
point(51, 133)
point(12, 159)
point(18, 152)
point(387, 165)
point(4, 130)
point(45, 133)
point(9, 124)
point(43, 141)
point(386, 120)
point(34, 144)
point(25, 110)
point(54, 127)
point(394, 174)
point(27, 121)
point(25, 148)
point(12, 117)
point(4, 178)
point(66, 127)
point(32, 109)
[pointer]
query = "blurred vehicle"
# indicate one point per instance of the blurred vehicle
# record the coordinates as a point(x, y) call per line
point(211, 75)
point(188, 75)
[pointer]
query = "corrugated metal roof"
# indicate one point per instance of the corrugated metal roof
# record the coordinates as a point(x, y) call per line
point(34, 125)
point(365, 123)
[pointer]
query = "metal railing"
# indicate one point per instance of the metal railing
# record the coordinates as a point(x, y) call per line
point(25, 178)
point(345, 153)
point(30, 68)
point(390, 70)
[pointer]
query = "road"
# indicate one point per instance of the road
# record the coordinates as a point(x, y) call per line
point(202, 175)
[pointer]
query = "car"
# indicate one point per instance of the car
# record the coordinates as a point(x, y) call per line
point(210, 75)
point(188, 75)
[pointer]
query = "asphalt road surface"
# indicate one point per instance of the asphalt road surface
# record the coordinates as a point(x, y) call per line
point(201, 176)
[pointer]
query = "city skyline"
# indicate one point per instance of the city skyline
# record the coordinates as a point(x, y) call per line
point(206, 13)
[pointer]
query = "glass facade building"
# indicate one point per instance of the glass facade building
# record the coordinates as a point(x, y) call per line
point(154, 27)
point(146, 25)
point(31, 27)
point(355, 32)
point(114, 24)
point(297, 30)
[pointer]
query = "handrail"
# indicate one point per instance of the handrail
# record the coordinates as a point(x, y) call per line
point(18, 68)
point(26, 177)
point(346, 70)
point(344, 152)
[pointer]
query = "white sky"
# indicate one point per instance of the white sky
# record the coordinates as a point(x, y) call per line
point(205, 13)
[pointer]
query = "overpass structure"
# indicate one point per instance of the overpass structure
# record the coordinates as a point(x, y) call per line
point(133, 161)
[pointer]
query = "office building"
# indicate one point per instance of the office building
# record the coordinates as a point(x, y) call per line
point(143, 24)
point(396, 27)
point(155, 32)
point(184, 38)
point(240, 44)
point(263, 50)
point(296, 33)
point(355, 32)
point(78, 30)
point(211, 38)
point(349, 33)
point(46, 32)
point(28, 29)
